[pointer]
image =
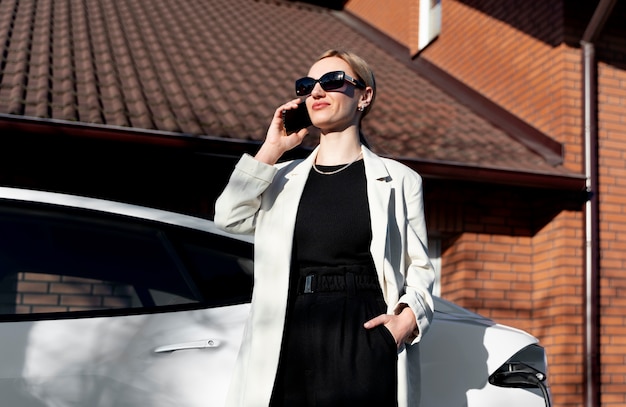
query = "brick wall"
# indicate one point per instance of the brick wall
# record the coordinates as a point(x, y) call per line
point(514, 255)
point(516, 60)
point(525, 56)
point(504, 262)
point(558, 303)
point(612, 168)
point(476, 275)
point(397, 21)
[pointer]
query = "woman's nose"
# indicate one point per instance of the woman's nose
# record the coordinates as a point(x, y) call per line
point(317, 90)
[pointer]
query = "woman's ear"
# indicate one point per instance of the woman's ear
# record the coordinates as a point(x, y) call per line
point(367, 95)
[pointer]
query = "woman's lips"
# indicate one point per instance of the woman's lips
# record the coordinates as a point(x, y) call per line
point(319, 105)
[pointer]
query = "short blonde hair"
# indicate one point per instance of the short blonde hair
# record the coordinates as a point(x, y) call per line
point(361, 69)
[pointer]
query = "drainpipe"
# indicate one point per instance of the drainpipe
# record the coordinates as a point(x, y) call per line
point(592, 241)
point(592, 371)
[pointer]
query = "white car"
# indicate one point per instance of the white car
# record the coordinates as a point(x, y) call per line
point(109, 304)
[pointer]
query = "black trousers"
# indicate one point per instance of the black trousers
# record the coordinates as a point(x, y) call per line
point(328, 358)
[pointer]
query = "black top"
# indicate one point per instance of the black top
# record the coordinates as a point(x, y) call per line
point(333, 225)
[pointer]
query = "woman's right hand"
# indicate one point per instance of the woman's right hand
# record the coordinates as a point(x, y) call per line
point(277, 141)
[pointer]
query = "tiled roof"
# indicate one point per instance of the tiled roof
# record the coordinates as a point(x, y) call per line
point(219, 68)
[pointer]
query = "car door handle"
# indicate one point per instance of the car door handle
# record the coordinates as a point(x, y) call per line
point(206, 343)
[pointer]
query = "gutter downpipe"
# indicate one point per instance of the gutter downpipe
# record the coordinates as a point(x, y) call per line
point(592, 230)
point(592, 257)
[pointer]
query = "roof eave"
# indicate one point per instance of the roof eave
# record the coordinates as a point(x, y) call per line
point(214, 145)
point(498, 176)
point(62, 128)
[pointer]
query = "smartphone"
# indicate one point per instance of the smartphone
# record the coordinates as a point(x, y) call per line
point(296, 119)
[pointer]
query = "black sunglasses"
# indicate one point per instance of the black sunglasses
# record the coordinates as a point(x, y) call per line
point(328, 81)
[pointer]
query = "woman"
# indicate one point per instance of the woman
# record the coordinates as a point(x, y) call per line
point(342, 275)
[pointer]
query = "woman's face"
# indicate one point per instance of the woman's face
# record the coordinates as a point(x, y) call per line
point(333, 110)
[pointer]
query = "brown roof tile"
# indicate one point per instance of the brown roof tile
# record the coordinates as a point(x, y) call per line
point(219, 68)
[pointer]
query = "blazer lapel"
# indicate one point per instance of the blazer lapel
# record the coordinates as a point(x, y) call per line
point(378, 194)
point(293, 186)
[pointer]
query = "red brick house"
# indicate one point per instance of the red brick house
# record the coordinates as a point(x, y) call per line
point(560, 67)
point(517, 129)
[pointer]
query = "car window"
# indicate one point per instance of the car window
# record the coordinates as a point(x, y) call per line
point(66, 261)
point(222, 267)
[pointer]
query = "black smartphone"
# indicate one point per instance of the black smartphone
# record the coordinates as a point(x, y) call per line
point(296, 119)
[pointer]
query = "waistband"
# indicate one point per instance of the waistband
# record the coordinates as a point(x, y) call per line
point(350, 278)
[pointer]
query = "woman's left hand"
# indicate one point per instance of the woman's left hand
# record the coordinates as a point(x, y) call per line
point(402, 326)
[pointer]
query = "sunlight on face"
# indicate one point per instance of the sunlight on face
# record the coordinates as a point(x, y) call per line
point(337, 109)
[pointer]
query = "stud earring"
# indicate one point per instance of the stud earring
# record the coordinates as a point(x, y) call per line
point(361, 108)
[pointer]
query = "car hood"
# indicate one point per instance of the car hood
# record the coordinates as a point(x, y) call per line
point(474, 334)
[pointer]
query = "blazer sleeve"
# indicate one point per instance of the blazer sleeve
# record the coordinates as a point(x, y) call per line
point(420, 274)
point(236, 209)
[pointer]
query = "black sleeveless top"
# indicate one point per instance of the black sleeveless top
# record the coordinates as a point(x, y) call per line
point(333, 225)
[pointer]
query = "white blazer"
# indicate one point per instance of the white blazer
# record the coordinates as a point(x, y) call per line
point(263, 199)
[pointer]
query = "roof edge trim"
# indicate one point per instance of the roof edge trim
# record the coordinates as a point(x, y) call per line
point(501, 176)
point(56, 127)
point(209, 145)
point(234, 147)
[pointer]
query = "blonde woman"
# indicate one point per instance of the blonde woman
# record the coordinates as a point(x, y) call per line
point(343, 282)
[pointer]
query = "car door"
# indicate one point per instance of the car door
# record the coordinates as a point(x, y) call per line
point(99, 309)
